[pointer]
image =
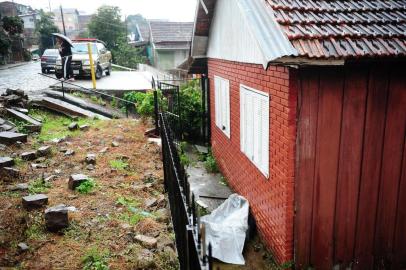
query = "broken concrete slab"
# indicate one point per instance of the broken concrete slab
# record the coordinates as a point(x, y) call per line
point(31, 155)
point(146, 241)
point(57, 218)
point(163, 215)
point(90, 159)
point(115, 144)
point(73, 126)
point(34, 201)
point(9, 138)
point(150, 202)
point(32, 124)
point(202, 149)
point(104, 150)
point(19, 187)
point(84, 104)
point(44, 151)
point(76, 179)
point(39, 166)
point(69, 152)
point(84, 127)
point(6, 162)
point(10, 173)
point(68, 109)
point(23, 247)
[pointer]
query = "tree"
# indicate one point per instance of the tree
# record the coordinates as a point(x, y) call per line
point(107, 26)
point(5, 42)
point(126, 55)
point(44, 28)
point(133, 20)
point(13, 25)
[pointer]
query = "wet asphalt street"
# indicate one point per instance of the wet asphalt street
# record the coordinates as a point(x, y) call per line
point(24, 77)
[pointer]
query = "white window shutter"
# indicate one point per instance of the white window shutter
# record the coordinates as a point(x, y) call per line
point(227, 108)
point(265, 135)
point(222, 104)
point(217, 101)
point(243, 116)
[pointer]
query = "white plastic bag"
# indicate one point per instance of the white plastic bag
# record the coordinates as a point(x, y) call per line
point(226, 229)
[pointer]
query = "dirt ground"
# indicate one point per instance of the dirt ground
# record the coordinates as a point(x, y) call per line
point(103, 228)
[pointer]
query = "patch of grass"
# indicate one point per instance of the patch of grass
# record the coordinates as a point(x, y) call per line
point(128, 202)
point(74, 231)
point(95, 259)
point(38, 186)
point(118, 164)
point(131, 218)
point(97, 100)
point(78, 94)
point(223, 181)
point(35, 232)
point(56, 126)
point(86, 186)
point(167, 261)
point(210, 164)
point(18, 162)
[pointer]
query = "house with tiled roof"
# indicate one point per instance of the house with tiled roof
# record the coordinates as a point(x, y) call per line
point(308, 122)
point(170, 43)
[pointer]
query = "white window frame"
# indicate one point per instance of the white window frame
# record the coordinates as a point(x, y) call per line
point(222, 104)
point(254, 127)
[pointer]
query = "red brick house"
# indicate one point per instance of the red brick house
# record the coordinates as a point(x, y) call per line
point(308, 117)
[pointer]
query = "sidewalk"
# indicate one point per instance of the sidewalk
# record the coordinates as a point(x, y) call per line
point(8, 66)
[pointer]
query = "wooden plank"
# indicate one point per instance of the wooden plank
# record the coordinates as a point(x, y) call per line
point(307, 127)
point(68, 109)
point(9, 138)
point(327, 153)
point(400, 233)
point(33, 125)
point(371, 164)
point(352, 131)
point(391, 170)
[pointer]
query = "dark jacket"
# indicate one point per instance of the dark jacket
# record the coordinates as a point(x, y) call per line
point(65, 49)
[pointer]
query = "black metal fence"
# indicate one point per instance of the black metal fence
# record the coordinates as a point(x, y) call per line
point(186, 221)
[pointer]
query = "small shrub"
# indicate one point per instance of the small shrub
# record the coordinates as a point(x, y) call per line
point(131, 219)
point(210, 164)
point(86, 186)
point(38, 186)
point(184, 160)
point(95, 259)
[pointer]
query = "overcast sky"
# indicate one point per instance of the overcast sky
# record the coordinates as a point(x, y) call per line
point(174, 10)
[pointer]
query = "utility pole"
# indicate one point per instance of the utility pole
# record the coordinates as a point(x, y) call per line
point(126, 28)
point(63, 21)
point(49, 4)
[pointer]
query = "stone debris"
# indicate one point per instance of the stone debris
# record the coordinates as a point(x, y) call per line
point(9, 138)
point(145, 259)
point(19, 187)
point(6, 162)
point(8, 172)
point(50, 178)
point(163, 215)
point(84, 127)
point(104, 150)
point(39, 166)
point(115, 144)
point(146, 241)
point(75, 180)
point(90, 159)
point(56, 217)
point(29, 155)
point(44, 151)
point(150, 202)
point(90, 167)
point(58, 140)
point(69, 152)
point(2, 147)
point(73, 126)
point(35, 201)
point(23, 246)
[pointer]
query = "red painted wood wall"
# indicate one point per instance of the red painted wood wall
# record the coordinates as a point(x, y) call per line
point(350, 184)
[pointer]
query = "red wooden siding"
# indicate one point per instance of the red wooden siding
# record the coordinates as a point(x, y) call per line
point(350, 189)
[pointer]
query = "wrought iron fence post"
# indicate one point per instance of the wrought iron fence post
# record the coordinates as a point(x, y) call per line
point(156, 112)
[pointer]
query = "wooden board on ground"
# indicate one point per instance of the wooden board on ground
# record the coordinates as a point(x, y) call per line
point(8, 138)
point(68, 109)
point(84, 104)
point(33, 125)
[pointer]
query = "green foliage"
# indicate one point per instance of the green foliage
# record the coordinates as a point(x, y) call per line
point(107, 26)
point(127, 55)
point(131, 218)
point(38, 186)
point(44, 27)
point(128, 202)
point(118, 164)
point(184, 159)
point(35, 231)
point(191, 109)
point(95, 259)
point(13, 25)
point(145, 102)
point(133, 20)
point(86, 186)
point(210, 163)
point(5, 42)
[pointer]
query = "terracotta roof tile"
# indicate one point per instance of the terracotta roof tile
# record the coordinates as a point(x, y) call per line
point(343, 29)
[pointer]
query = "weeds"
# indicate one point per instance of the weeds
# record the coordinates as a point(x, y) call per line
point(210, 163)
point(86, 186)
point(166, 260)
point(223, 181)
point(131, 219)
point(184, 159)
point(38, 186)
point(118, 164)
point(95, 259)
point(128, 202)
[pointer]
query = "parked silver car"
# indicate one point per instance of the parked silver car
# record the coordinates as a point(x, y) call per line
point(48, 60)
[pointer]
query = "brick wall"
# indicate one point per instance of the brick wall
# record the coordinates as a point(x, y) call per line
point(271, 199)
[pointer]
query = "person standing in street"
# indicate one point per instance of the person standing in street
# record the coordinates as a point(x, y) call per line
point(66, 55)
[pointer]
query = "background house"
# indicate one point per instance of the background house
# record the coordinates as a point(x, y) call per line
point(71, 18)
point(29, 28)
point(170, 43)
point(308, 123)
